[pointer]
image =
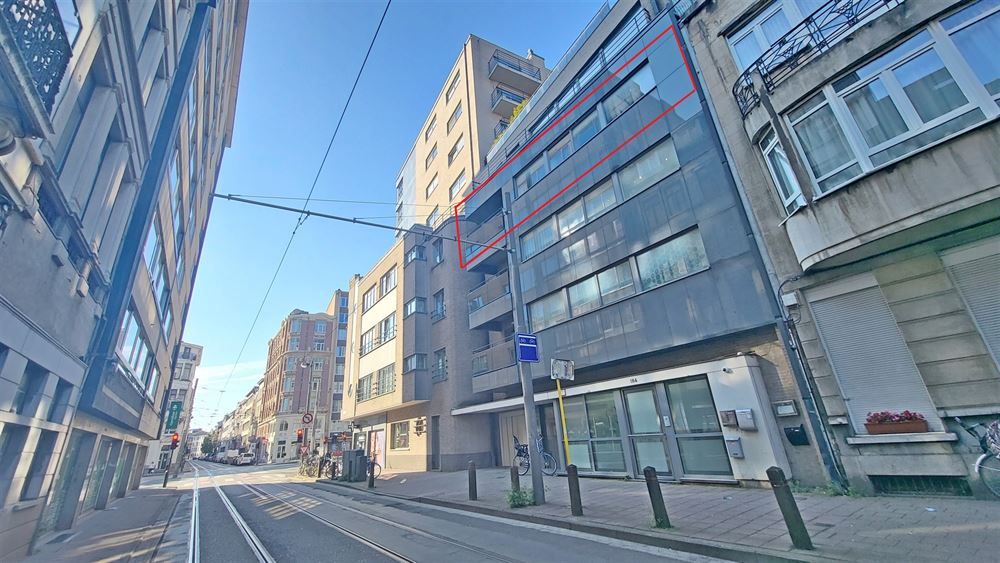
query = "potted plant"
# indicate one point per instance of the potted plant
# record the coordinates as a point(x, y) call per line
point(889, 422)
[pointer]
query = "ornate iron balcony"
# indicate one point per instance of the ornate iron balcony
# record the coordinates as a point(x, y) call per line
point(804, 42)
point(37, 30)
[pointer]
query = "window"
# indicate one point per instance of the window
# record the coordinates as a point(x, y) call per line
point(341, 334)
point(342, 318)
point(438, 247)
point(539, 238)
point(432, 186)
point(29, 390)
point(927, 88)
point(671, 260)
point(283, 426)
point(387, 282)
point(548, 311)
point(453, 87)
point(457, 148)
point(368, 341)
point(296, 325)
point(599, 199)
point(338, 386)
point(584, 296)
point(649, 168)
point(336, 406)
point(286, 404)
point(560, 151)
point(616, 283)
point(317, 366)
point(432, 219)
point(400, 435)
point(455, 115)
point(60, 402)
point(153, 250)
point(456, 187)
point(750, 42)
point(32, 488)
point(416, 361)
point(293, 343)
point(369, 299)
point(781, 172)
point(290, 364)
point(386, 379)
point(629, 92)
point(586, 129)
point(288, 384)
point(530, 175)
point(12, 440)
point(440, 367)
point(319, 327)
point(132, 347)
point(387, 328)
point(341, 351)
point(431, 156)
point(415, 253)
point(319, 344)
point(415, 305)
point(438, 310)
point(430, 128)
point(339, 369)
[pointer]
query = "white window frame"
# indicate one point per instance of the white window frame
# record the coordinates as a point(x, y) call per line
point(767, 144)
point(456, 149)
point(431, 186)
point(457, 186)
point(976, 94)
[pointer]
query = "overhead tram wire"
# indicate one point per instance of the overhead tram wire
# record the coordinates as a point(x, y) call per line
point(325, 200)
point(304, 213)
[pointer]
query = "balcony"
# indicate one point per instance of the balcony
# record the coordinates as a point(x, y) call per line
point(405, 390)
point(504, 101)
point(493, 367)
point(510, 69)
point(500, 128)
point(489, 301)
point(804, 42)
point(42, 52)
point(473, 248)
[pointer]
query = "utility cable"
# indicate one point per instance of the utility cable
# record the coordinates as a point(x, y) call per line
point(353, 201)
point(304, 213)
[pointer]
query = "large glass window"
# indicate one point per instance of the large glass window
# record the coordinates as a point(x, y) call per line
point(530, 175)
point(539, 238)
point(571, 218)
point(456, 149)
point(431, 186)
point(616, 282)
point(696, 424)
point(456, 187)
point(649, 168)
point(400, 435)
point(629, 92)
point(781, 172)
point(369, 298)
point(453, 87)
point(586, 129)
point(560, 151)
point(584, 296)
point(548, 311)
point(671, 260)
point(455, 115)
point(977, 40)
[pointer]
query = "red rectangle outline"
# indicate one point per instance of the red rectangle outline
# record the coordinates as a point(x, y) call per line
point(462, 262)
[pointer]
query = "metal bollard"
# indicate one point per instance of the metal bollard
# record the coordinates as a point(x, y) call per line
point(656, 498)
point(573, 479)
point(789, 510)
point(473, 493)
point(371, 474)
point(515, 479)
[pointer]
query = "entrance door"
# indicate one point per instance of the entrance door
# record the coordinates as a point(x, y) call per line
point(376, 446)
point(435, 443)
point(700, 444)
point(646, 432)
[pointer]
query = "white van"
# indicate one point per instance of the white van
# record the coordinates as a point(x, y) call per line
point(244, 459)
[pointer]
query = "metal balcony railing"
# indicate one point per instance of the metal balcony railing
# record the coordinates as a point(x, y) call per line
point(37, 31)
point(804, 42)
point(506, 59)
point(493, 357)
point(500, 128)
point(501, 92)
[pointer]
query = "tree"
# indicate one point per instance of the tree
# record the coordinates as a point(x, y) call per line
point(207, 445)
point(517, 109)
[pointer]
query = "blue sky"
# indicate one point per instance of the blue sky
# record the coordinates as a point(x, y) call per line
point(299, 62)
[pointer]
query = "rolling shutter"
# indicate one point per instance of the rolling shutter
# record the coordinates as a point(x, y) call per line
point(870, 358)
point(978, 280)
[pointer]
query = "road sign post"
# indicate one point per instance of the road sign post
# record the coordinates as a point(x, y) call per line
point(562, 370)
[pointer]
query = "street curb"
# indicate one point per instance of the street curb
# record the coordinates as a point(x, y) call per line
point(700, 547)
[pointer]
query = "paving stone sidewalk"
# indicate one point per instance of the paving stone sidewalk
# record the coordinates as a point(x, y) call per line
point(842, 528)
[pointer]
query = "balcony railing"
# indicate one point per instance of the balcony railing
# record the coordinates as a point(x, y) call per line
point(503, 93)
point(500, 128)
point(501, 58)
point(489, 291)
point(804, 42)
point(483, 235)
point(38, 33)
point(493, 357)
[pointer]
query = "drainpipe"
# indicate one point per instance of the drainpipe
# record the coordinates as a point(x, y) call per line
point(819, 427)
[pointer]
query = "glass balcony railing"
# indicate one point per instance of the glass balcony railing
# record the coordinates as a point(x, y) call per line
point(493, 357)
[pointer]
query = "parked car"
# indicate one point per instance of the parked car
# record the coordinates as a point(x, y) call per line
point(244, 459)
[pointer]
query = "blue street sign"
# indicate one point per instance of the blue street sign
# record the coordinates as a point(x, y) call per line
point(527, 347)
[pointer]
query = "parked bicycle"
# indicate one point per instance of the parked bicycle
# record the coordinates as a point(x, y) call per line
point(988, 464)
point(309, 465)
point(522, 458)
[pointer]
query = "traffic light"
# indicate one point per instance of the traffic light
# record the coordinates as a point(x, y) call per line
point(175, 441)
point(298, 436)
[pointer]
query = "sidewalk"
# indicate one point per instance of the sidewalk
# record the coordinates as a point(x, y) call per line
point(732, 522)
point(130, 529)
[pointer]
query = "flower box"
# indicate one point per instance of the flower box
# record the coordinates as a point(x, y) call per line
point(905, 427)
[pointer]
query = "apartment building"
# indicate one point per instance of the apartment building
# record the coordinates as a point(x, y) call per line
point(482, 89)
point(114, 117)
point(864, 135)
point(180, 402)
point(339, 308)
point(298, 383)
point(636, 261)
point(406, 324)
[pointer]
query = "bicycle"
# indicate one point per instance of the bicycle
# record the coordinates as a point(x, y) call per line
point(309, 466)
point(988, 464)
point(374, 466)
point(522, 458)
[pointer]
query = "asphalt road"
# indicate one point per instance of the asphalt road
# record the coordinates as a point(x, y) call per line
point(273, 516)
